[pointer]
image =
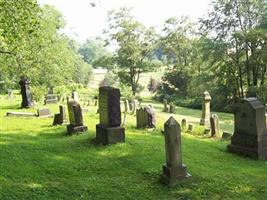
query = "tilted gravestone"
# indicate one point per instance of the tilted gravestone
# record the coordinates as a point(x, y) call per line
point(174, 170)
point(146, 117)
point(26, 93)
point(109, 130)
point(250, 134)
point(60, 118)
point(76, 118)
point(205, 118)
point(44, 112)
point(214, 126)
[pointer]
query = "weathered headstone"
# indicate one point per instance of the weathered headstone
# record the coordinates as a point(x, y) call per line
point(250, 134)
point(126, 105)
point(183, 124)
point(109, 130)
point(74, 96)
point(145, 117)
point(76, 118)
point(190, 128)
point(44, 112)
point(172, 108)
point(174, 170)
point(26, 93)
point(165, 104)
point(50, 99)
point(60, 118)
point(205, 118)
point(215, 126)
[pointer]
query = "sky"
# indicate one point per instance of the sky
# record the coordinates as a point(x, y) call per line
point(84, 21)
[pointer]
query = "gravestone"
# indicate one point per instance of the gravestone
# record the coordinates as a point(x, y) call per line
point(214, 126)
point(109, 130)
point(190, 128)
point(76, 118)
point(51, 99)
point(74, 96)
point(26, 93)
point(205, 118)
point(172, 108)
point(126, 105)
point(20, 114)
point(183, 124)
point(43, 112)
point(165, 104)
point(146, 117)
point(60, 118)
point(174, 170)
point(250, 134)
point(226, 136)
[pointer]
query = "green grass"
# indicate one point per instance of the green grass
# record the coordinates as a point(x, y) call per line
point(39, 162)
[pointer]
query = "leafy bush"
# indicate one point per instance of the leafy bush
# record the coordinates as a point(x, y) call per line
point(38, 93)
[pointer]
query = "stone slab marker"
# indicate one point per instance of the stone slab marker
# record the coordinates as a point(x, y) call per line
point(109, 130)
point(172, 108)
point(205, 118)
point(250, 134)
point(76, 118)
point(26, 93)
point(215, 126)
point(165, 104)
point(50, 99)
point(174, 170)
point(183, 124)
point(44, 112)
point(60, 118)
point(145, 117)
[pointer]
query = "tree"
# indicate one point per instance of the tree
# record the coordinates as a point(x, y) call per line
point(93, 49)
point(134, 44)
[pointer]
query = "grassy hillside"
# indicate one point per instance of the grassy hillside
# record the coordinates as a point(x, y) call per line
point(39, 162)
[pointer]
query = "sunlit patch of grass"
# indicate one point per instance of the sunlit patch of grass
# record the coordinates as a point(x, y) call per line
point(38, 161)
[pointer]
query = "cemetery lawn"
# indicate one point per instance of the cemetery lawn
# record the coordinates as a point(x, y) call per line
point(39, 162)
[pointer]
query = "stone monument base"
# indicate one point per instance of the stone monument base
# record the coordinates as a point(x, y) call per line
point(248, 145)
point(109, 135)
point(51, 101)
point(71, 129)
point(173, 175)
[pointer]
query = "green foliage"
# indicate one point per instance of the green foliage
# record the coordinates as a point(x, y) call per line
point(134, 43)
point(38, 93)
point(93, 49)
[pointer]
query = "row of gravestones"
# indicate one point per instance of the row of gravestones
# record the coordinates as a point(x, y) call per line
point(250, 135)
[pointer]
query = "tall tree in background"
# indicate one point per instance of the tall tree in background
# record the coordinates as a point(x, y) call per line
point(240, 27)
point(134, 44)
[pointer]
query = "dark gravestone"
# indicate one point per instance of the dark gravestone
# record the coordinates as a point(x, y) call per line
point(214, 126)
point(145, 117)
point(174, 170)
point(76, 118)
point(60, 118)
point(50, 99)
point(190, 128)
point(44, 112)
point(26, 93)
point(250, 134)
point(108, 131)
